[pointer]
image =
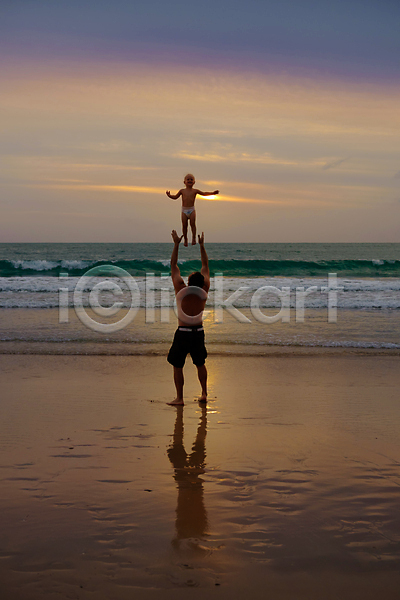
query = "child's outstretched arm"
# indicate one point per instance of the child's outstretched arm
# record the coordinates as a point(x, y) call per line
point(207, 193)
point(174, 196)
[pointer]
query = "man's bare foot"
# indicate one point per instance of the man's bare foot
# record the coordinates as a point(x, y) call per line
point(203, 398)
point(194, 241)
point(176, 402)
point(185, 242)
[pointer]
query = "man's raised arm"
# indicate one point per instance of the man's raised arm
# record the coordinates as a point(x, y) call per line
point(205, 271)
point(175, 272)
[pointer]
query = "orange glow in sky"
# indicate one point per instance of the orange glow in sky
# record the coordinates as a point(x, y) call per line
point(295, 159)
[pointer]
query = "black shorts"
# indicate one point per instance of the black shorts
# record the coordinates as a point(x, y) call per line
point(187, 342)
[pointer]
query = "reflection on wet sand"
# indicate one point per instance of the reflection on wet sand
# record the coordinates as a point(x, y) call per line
point(191, 515)
point(300, 480)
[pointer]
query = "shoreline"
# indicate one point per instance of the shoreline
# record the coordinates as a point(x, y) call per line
point(37, 331)
point(107, 348)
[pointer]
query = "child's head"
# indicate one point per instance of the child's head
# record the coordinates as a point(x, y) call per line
point(189, 179)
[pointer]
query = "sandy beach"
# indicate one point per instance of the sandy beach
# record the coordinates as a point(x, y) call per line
point(285, 486)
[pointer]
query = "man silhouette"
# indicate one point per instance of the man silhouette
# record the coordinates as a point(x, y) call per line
point(189, 337)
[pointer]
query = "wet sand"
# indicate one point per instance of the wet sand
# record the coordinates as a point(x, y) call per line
point(287, 485)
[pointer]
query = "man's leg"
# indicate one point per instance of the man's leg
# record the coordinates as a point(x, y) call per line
point(202, 374)
point(193, 226)
point(179, 381)
point(184, 229)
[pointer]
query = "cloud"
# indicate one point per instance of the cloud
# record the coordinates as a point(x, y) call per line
point(335, 163)
point(397, 175)
point(109, 146)
point(317, 196)
point(143, 190)
point(233, 157)
point(99, 188)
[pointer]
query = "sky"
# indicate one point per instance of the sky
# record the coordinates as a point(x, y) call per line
point(291, 109)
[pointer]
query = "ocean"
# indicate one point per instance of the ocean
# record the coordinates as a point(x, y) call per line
point(118, 298)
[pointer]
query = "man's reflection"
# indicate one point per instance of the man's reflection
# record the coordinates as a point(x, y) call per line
point(191, 514)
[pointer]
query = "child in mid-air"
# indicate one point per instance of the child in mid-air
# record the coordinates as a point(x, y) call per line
point(188, 211)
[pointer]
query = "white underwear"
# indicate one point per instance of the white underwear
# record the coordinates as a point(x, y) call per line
point(187, 211)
